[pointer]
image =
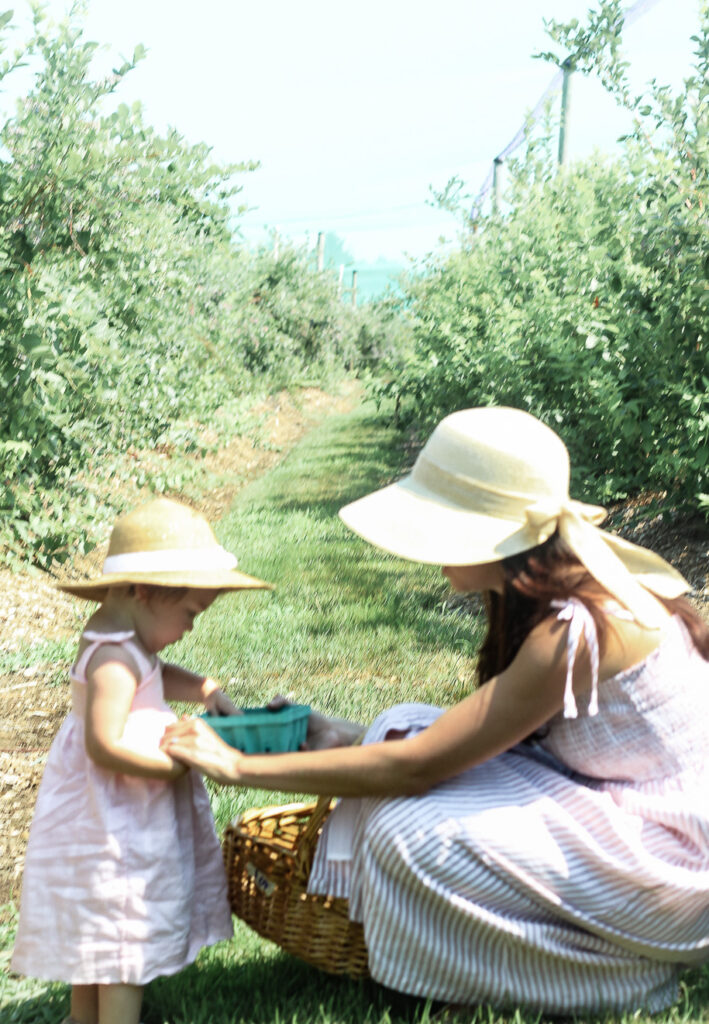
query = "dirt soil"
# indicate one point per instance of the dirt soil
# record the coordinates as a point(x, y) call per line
point(35, 700)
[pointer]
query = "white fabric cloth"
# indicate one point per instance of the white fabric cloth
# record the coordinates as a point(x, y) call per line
point(569, 874)
point(123, 878)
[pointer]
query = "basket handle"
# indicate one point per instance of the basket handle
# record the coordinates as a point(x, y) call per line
point(304, 851)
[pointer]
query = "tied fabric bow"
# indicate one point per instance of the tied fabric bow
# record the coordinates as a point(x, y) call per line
point(580, 622)
point(633, 575)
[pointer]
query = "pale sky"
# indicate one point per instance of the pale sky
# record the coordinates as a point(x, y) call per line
point(354, 110)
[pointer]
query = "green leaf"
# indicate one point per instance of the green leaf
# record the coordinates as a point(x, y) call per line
point(31, 341)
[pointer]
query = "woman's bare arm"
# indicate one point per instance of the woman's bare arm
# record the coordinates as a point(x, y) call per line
point(493, 719)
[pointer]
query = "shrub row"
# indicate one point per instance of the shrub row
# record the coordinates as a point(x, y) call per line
point(128, 307)
point(586, 303)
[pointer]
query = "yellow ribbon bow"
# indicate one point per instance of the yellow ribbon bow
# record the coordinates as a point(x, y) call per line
point(632, 574)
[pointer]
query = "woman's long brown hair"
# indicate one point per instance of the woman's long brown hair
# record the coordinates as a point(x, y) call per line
point(535, 578)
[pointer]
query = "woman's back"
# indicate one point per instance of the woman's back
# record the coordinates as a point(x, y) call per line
point(651, 720)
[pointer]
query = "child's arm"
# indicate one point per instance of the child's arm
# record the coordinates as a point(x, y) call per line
point(494, 718)
point(112, 679)
point(182, 685)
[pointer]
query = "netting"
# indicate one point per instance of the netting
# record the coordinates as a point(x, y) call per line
point(629, 16)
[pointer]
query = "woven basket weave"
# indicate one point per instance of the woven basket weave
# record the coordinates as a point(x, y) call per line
point(268, 853)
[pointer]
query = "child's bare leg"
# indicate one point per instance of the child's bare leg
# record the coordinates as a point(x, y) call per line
point(84, 1004)
point(119, 1004)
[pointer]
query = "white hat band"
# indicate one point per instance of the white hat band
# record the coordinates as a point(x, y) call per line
point(170, 560)
point(488, 500)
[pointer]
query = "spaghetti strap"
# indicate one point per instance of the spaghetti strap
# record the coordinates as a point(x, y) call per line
point(96, 640)
point(581, 623)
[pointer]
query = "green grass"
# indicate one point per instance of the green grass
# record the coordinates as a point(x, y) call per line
point(40, 653)
point(351, 631)
point(348, 628)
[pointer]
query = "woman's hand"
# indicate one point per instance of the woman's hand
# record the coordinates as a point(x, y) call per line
point(192, 742)
point(323, 733)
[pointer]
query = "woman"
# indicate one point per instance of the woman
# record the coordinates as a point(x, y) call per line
point(545, 842)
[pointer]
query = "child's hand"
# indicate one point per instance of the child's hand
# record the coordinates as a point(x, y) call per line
point(217, 703)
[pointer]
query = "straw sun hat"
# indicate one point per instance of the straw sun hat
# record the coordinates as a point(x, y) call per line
point(493, 482)
point(165, 544)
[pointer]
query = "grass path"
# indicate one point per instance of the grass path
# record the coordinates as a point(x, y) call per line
point(347, 629)
point(351, 631)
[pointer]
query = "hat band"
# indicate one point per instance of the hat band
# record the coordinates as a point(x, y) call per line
point(170, 560)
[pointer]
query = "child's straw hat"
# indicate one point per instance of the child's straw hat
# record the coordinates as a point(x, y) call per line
point(165, 544)
point(493, 482)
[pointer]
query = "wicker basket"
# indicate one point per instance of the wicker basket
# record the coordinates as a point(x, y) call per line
point(268, 855)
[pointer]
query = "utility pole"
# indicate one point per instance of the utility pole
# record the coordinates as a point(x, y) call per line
point(354, 288)
point(321, 251)
point(276, 244)
point(496, 176)
point(568, 68)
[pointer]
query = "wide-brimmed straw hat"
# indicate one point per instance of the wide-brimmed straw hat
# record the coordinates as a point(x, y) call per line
point(166, 544)
point(493, 482)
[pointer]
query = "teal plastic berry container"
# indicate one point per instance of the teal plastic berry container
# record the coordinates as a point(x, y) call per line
point(261, 731)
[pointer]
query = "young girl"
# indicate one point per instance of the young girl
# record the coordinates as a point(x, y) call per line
point(123, 877)
point(545, 842)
